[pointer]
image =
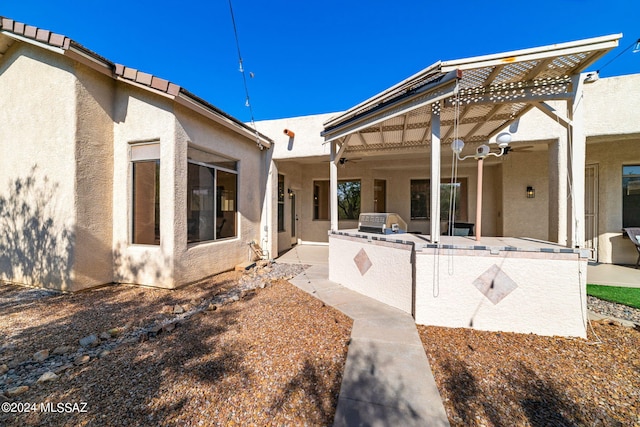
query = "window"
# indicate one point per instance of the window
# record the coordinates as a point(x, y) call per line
point(280, 202)
point(348, 199)
point(145, 170)
point(631, 196)
point(421, 199)
point(379, 195)
point(212, 183)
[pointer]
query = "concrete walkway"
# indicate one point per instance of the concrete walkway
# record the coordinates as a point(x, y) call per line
point(613, 275)
point(387, 379)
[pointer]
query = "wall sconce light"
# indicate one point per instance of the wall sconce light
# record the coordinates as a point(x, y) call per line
point(531, 192)
point(290, 192)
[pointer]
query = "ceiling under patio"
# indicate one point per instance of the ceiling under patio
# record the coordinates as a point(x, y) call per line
point(475, 98)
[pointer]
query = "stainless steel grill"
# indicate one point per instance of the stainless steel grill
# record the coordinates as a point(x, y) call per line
point(381, 223)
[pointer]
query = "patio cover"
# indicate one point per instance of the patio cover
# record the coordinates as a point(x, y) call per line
point(483, 95)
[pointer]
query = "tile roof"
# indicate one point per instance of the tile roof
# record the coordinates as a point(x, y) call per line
point(117, 71)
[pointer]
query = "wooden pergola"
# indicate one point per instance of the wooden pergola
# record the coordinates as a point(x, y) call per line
point(473, 100)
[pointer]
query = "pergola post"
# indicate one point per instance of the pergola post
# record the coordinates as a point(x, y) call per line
point(577, 160)
point(333, 185)
point(435, 173)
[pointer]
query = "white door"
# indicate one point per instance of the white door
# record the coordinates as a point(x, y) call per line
point(591, 209)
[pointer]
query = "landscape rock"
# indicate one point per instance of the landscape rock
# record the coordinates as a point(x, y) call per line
point(114, 332)
point(63, 368)
point(41, 355)
point(169, 327)
point(16, 391)
point(212, 307)
point(64, 349)
point(89, 341)
point(103, 353)
point(47, 376)
point(81, 360)
point(177, 309)
point(105, 336)
point(3, 369)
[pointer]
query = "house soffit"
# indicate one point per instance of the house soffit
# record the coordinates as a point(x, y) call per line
point(475, 98)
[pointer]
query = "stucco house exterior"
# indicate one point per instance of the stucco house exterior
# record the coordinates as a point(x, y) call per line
point(612, 128)
point(109, 174)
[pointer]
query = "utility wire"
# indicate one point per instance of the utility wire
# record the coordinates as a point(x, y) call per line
point(635, 43)
point(244, 75)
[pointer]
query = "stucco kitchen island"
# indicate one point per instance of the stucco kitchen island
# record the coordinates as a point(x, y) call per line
point(496, 284)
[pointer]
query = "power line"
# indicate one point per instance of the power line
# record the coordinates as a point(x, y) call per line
point(241, 69)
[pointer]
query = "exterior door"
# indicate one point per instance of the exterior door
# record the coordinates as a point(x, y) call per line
point(591, 209)
point(294, 219)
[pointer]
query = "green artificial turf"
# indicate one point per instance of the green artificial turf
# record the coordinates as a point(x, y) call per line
point(620, 295)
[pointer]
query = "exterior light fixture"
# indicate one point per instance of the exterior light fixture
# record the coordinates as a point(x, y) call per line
point(636, 48)
point(457, 145)
point(483, 151)
point(531, 192)
point(290, 193)
point(503, 139)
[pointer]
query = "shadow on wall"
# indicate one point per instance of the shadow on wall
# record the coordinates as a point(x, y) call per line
point(144, 269)
point(36, 248)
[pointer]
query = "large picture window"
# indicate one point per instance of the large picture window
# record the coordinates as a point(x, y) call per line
point(348, 199)
point(145, 170)
point(421, 199)
point(212, 183)
point(631, 196)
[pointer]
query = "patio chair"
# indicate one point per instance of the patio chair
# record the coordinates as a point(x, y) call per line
point(634, 236)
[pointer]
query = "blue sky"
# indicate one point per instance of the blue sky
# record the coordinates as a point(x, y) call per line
point(317, 57)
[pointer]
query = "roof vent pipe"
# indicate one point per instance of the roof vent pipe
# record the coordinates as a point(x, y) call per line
point(289, 133)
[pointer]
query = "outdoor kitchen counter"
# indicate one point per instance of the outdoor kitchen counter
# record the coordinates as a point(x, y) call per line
point(422, 241)
point(510, 284)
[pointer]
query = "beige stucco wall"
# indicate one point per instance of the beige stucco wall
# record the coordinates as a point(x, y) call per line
point(140, 117)
point(37, 112)
point(525, 217)
point(147, 117)
point(94, 178)
point(195, 261)
point(610, 156)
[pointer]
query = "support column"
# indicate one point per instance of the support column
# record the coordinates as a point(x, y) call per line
point(333, 185)
point(435, 173)
point(558, 190)
point(577, 159)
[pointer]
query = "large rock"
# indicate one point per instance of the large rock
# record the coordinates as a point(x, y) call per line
point(41, 355)
point(89, 341)
point(3, 369)
point(47, 376)
point(81, 360)
point(16, 391)
point(64, 349)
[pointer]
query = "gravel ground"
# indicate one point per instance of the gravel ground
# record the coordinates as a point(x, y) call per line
point(507, 379)
point(233, 350)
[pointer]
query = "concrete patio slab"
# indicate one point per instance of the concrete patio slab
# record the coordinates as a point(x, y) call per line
point(613, 275)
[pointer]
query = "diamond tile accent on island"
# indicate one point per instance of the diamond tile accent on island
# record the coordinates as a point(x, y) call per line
point(362, 262)
point(495, 284)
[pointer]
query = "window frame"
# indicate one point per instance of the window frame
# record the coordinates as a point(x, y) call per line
point(462, 206)
point(144, 152)
point(316, 199)
point(281, 203)
point(215, 168)
point(625, 209)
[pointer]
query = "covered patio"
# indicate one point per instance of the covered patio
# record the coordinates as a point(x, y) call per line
point(474, 103)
